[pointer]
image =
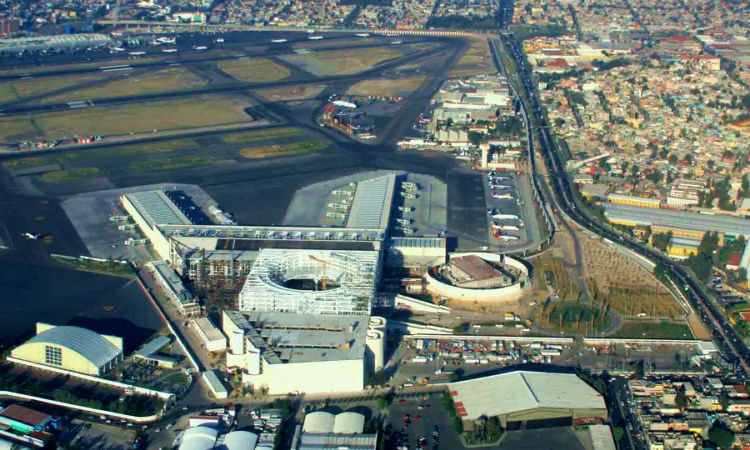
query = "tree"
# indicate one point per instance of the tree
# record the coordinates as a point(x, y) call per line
point(680, 399)
point(475, 137)
point(383, 402)
point(721, 437)
point(672, 159)
point(559, 122)
point(449, 123)
point(618, 433)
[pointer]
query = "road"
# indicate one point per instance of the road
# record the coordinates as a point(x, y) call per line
point(728, 339)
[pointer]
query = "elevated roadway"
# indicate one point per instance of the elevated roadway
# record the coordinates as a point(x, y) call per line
point(728, 339)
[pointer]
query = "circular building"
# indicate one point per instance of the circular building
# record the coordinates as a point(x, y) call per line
point(478, 277)
point(71, 348)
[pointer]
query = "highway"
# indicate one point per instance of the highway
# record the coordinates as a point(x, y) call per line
point(734, 350)
point(374, 72)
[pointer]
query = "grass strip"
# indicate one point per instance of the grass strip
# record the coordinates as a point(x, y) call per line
point(62, 176)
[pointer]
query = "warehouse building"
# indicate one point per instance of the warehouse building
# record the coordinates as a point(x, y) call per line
point(323, 430)
point(273, 349)
point(23, 419)
point(527, 397)
point(212, 339)
point(172, 285)
point(66, 41)
point(71, 348)
point(415, 253)
point(209, 438)
point(642, 202)
point(150, 353)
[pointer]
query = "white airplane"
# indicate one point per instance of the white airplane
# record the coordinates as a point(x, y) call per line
point(278, 41)
point(362, 34)
point(219, 40)
point(116, 49)
point(170, 50)
point(502, 196)
point(165, 40)
point(315, 38)
point(504, 227)
point(31, 236)
point(504, 216)
point(501, 186)
point(507, 237)
point(199, 47)
point(137, 53)
point(497, 177)
point(397, 42)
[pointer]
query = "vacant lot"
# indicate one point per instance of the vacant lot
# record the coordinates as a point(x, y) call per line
point(561, 281)
point(105, 267)
point(261, 135)
point(292, 92)
point(342, 62)
point(202, 111)
point(17, 128)
point(11, 91)
point(269, 151)
point(386, 88)
point(477, 60)
point(109, 152)
point(254, 70)
point(623, 284)
point(153, 165)
point(61, 176)
point(654, 330)
point(172, 79)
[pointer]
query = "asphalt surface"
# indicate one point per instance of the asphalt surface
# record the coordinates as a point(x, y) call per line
point(374, 72)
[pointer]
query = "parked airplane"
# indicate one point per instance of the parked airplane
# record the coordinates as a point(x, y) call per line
point(503, 196)
point(220, 40)
point(315, 38)
point(170, 50)
point(362, 34)
point(31, 236)
point(397, 42)
point(116, 49)
point(497, 226)
point(504, 216)
point(165, 40)
point(497, 177)
point(507, 237)
point(200, 47)
point(501, 186)
point(137, 53)
point(278, 41)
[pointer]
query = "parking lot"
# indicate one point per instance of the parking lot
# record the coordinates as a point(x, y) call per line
point(423, 414)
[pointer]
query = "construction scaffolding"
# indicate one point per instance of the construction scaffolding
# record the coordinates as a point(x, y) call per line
point(353, 273)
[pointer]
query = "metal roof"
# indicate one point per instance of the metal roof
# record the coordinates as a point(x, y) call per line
point(157, 209)
point(153, 346)
point(519, 391)
point(733, 226)
point(25, 415)
point(372, 202)
point(349, 423)
point(338, 441)
point(321, 422)
point(92, 346)
point(418, 242)
point(239, 440)
point(199, 438)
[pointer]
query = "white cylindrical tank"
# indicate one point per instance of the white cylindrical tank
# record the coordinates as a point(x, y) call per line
point(376, 332)
point(237, 342)
point(253, 361)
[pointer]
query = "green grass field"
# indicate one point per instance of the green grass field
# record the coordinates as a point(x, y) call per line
point(269, 151)
point(261, 135)
point(654, 330)
point(108, 152)
point(154, 165)
point(113, 268)
point(176, 378)
point(62, 176)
